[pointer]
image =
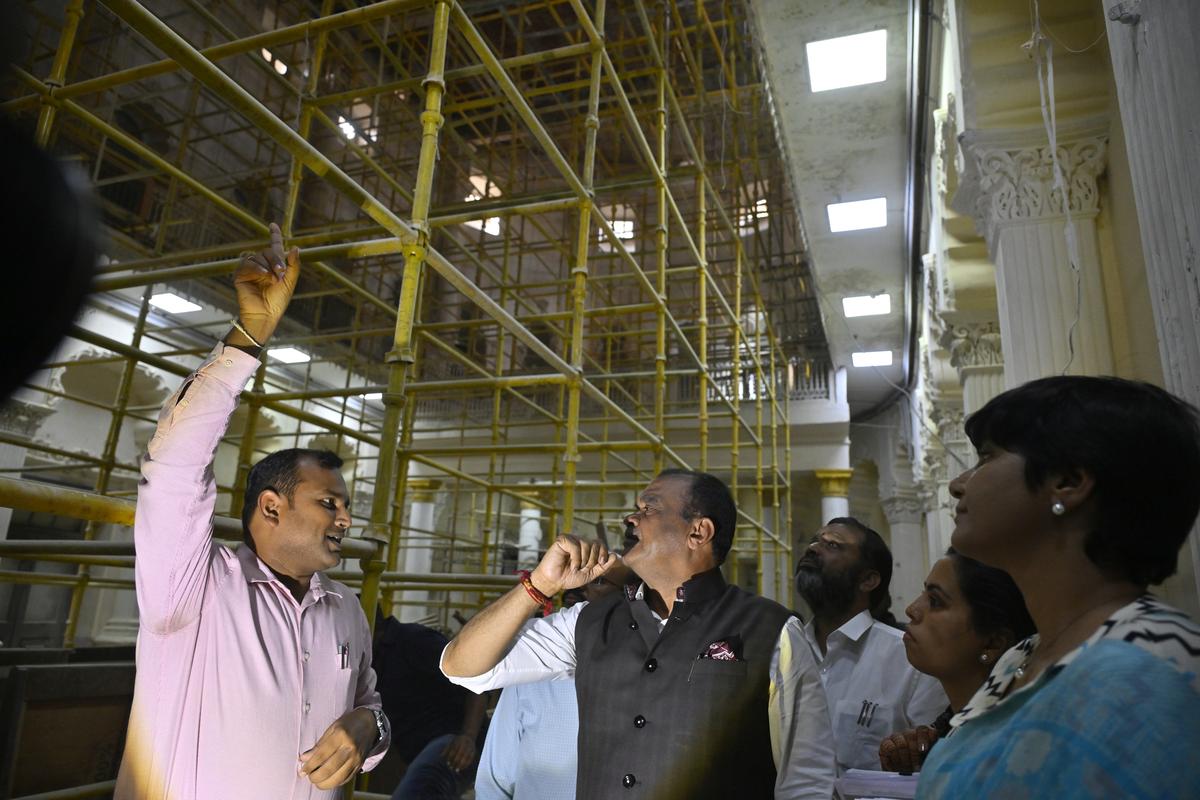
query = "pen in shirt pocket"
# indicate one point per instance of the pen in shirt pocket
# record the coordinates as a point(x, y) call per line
point(344, 654)
point(867, 713)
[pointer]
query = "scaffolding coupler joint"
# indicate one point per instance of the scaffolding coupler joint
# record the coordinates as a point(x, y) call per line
point(402, 355)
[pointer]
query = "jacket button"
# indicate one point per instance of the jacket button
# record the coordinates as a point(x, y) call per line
point(628, 781)
point(652, 665)
point(633, 626)
point(639, 721)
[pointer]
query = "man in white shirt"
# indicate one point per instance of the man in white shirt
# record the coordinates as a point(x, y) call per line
point(530, 751)
point(687, 687)
point(872, 690)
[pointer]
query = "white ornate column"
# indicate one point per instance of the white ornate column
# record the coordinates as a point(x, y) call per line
point(418, 555)
point(1155, 64)
point(835, 492)
point(904, 511)
point(945, 465)
point(1024, 221)
point(977, 354)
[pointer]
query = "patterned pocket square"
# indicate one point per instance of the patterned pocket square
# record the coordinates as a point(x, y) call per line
point(720, 651)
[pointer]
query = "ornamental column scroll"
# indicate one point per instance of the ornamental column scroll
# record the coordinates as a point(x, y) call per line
point(1022, 215)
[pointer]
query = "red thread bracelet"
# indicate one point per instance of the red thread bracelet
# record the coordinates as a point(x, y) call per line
point(545, 602)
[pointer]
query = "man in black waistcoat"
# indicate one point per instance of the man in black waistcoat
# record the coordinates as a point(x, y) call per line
point(688, 687)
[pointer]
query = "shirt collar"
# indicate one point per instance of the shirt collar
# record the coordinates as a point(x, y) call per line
point(699, 589)
point(855, 627)
point(255, 571)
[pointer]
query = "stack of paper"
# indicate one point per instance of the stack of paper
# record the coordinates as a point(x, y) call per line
point(865, 784)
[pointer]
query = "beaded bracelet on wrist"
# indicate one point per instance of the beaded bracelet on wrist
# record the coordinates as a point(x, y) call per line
point(545, 602)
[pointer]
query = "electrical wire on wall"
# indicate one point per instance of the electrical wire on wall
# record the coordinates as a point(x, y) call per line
point(1042, 48)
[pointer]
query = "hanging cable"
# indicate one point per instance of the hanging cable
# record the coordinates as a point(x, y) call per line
point(1039, 44)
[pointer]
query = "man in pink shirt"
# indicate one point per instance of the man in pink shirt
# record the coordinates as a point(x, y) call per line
point(254, 676)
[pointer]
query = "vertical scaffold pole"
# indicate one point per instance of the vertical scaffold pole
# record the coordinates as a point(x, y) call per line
point(579, 274)
point(661, 244)
point(402, 357)
point(58, 70)
point(702, 307)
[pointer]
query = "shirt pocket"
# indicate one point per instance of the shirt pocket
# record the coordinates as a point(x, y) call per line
point(860, 725)
point(715, 668)
point(345, 678)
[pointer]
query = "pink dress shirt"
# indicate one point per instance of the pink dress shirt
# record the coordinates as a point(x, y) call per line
point(234, 678)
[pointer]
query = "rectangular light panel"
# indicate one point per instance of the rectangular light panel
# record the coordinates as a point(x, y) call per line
point(857, 215)
point(872, 358)
point(172, 303)
point(289, 355)
point(867, 305)
point(847, 61)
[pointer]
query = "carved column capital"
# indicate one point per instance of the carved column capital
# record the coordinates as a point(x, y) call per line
point(1011, 174)
point(1019, 184)
point(948, 417)
point(973, 345)
point(906, 508)
point(834, 482)
point(22, 419)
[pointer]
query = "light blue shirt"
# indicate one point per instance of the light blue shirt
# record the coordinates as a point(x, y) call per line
point(1116, 717)
point(531, 748)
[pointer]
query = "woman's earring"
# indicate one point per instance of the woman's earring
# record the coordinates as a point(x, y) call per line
point(984, 658)
point(1057, 508)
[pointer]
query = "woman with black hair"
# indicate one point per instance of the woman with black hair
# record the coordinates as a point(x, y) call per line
point(966, 617)
point(1084, 492)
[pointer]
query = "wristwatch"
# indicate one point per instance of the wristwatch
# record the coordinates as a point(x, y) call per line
point(380, 723)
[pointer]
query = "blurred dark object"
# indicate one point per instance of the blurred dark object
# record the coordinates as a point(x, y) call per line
point(14, 33)
point(47, 219)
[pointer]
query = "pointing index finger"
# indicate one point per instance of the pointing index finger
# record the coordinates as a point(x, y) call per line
point(278, 257)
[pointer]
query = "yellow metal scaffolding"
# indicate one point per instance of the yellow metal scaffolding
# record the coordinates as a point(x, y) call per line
point(544, 245)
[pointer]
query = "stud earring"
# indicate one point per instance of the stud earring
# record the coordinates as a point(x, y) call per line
point(984, 658)
point(1057, 508)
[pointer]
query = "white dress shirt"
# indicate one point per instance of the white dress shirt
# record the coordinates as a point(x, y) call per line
point(531, 750)
point(872, 690)
point(797, 713)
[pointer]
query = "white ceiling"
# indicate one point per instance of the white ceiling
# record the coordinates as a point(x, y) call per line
point(846, 144)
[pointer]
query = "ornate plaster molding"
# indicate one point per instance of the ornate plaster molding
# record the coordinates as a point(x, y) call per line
point(1007, 176)
point(1019, 184)
point(906, 508)
point(949, 420)
point(946, 150)
point(23, 419)
point(973, 345)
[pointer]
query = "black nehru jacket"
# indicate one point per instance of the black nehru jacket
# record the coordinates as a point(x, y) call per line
point(660, 717)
